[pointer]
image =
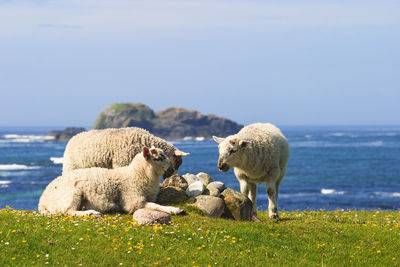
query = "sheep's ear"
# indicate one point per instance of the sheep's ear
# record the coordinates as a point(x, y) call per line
point(179, 153)
point(146, 153)
point(243, 143)
point(218, 139)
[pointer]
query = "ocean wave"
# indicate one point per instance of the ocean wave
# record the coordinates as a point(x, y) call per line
point(377, 143)
point(337, 134)
point(387, 194)
point(4, 184)
point(325, 191)
point(16, 138)
point(57, 160)
point(13, 167)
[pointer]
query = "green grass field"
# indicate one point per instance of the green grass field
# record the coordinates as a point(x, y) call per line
point(310, 238)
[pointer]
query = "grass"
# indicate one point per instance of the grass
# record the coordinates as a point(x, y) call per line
point(310, 238)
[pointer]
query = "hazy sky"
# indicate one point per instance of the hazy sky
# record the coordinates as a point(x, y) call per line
point(286, 62)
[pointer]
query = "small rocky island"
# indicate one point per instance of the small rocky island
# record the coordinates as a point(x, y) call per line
point(169, 123)
point(64, 135)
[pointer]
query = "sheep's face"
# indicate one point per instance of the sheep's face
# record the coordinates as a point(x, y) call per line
point(230, 150)
point(176, 160)
point(158, 159)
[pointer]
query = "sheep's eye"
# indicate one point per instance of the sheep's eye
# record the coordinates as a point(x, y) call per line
point(159, 158)
point(231, 151)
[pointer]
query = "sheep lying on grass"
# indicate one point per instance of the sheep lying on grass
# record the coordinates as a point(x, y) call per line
point(94, 191)
point(112, 148)
point(258, 153)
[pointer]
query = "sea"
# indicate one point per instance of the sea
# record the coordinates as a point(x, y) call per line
point(330, 167)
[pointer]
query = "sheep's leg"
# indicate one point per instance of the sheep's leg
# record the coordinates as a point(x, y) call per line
point(167, 209)
point(76, 202)
point(272, 199)
point(278, 182)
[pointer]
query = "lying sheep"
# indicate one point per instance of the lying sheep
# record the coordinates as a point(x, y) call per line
point(258, 153)
point(94, 191)
point(112, 148)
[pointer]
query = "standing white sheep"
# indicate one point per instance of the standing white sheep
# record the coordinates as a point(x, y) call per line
point(258, 153)
point(112, 148)
point(94, 191)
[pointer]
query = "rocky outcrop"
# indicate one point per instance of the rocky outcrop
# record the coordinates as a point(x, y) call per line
point(65, 135)
point(215, 200)
point(170, 123)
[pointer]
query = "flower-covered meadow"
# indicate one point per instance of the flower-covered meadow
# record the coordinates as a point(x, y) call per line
point(298, 238)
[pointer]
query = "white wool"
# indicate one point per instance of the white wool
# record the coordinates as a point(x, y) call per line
point(111, 148)
point(93, 191)
point(258, 153)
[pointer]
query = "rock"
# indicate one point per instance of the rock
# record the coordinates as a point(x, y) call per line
point(212, 192)
point(204, 178)
point(213, 206)
point(176, 181)
point(169, 123)
point(171, 194)
point(238, 206)
point(125, 115)
point(218, 185)
point(64, 135)
point(190, 178)
point(195, 189)
point(148, 216)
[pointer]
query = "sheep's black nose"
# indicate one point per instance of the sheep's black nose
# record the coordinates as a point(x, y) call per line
point(168, 172)
point(223, 167)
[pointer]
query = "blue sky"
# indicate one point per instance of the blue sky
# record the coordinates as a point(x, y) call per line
point(285, 62)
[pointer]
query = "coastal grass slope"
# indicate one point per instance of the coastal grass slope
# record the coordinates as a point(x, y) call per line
point(299, 238)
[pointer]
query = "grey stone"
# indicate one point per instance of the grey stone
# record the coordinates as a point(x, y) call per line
point(204, 178)
point(176, 181)
point(218, 185)
point(238, 206)
point(212, 192)
point(190, 178)
point(213, 206)
point(171, 194)
point(148, 216)
point(195, 189)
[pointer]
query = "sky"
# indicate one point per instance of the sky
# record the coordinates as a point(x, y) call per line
point(292, 62)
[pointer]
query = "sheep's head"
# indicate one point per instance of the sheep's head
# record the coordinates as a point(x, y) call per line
point(176, 160)
point(158, 159)
point(229, 149)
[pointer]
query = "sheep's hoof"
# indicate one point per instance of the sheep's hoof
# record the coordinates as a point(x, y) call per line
point(255, 219)
point(176, 211)
point(274, 216)
point(92, 213)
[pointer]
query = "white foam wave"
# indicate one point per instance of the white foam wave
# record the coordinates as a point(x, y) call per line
point(387, 194)
point(56, 160)
point(16, 138)
point(4, 184)
point(200, 138)
point(337, 134)
point(330, 144)
point(12, 167)
point(325, 191)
